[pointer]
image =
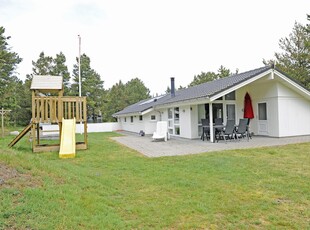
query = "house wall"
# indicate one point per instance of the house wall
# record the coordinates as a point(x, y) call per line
point(147, 124)
point(295, 111)
point(260, 92)
point(134, 126)
point(150, 125)
point(288, 112)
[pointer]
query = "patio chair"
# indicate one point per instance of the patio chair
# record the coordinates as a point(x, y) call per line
point(248, 128)
point(242, 129)
point(205, 129)
point(228, 132)
point(218, 121)
point(161, 132)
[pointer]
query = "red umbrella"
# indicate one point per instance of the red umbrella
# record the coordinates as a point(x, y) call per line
point(248, 109)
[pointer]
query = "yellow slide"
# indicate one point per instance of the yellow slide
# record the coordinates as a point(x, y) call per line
point(67, 142)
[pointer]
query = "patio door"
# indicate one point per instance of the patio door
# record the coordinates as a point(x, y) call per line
point(262, 119)
point(231, 112)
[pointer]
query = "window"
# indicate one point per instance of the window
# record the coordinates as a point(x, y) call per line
point(230, 112)
point(170, 114)
point(177, 130)
point(140, 118)
point(131, 119)
point(153, 117)
point(176, 115)
point(262, 111)
point(125, 119)
point(230, 96)
point(217, 111)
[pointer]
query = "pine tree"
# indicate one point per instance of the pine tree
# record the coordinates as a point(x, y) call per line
point(9, 83)
point(295, 56)
point(91, 85)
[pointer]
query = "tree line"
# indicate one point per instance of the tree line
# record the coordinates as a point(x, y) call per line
point(103, 103)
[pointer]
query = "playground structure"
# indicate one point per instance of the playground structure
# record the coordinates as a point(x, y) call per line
point(55, 108)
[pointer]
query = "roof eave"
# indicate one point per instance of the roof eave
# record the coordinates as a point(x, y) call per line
point(232, 88)
point(292, 82)
point(143, 112)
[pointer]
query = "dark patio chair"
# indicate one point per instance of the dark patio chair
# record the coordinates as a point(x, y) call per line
point(205, 129)
point(248, 128)
point(242, 129)
point(229, 131)
point(218, 121)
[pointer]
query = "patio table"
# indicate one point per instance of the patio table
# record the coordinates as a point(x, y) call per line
point(205, 127)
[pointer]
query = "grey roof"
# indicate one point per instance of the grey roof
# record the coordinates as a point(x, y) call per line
point(46, 82)
point(203, 90)
point(209, 89)
point(143, 105)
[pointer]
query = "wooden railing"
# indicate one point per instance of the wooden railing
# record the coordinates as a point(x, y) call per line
point(74, 107)
point(52, 109)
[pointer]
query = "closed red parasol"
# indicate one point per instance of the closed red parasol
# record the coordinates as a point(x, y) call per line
point(248, 109)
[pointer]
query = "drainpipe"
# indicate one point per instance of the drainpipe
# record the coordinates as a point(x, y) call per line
point(160, 118)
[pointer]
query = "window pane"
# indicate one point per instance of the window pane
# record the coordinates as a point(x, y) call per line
point(262, 111)
point(169, 113)
point(176, 115)
point(230, 96)
point(217, 111)
point(177, 130)
point(231, 114)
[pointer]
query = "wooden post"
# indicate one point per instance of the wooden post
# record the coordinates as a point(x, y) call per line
point(3, 112)
point(33, 120)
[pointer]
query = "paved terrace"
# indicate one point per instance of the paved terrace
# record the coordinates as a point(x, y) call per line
point(180, 146)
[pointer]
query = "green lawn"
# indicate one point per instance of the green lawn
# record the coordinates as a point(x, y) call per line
point(112, 187)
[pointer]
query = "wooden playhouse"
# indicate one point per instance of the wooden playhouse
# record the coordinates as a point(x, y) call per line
point(50, 106)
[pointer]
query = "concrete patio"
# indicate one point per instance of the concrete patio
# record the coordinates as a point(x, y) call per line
point(180, 146)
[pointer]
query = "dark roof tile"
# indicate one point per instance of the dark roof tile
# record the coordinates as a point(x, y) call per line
point(207, 89)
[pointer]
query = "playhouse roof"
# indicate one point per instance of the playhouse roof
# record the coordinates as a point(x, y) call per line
point(46, 82)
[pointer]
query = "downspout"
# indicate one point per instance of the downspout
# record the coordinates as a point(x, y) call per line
point(160, 118)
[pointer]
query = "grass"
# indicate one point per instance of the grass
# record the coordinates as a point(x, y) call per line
point(110, 186)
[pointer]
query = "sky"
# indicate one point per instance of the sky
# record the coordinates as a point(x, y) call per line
point(152, 40)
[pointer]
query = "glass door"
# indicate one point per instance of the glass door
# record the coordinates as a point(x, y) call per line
point(174, 121)
point(262, 119)
point(170, 121)
point(231, 112)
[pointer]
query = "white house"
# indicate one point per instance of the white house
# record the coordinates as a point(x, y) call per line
point(281, 106)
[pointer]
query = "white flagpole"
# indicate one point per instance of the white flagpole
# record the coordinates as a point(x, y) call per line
point(80, 93)
point(80, 84)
